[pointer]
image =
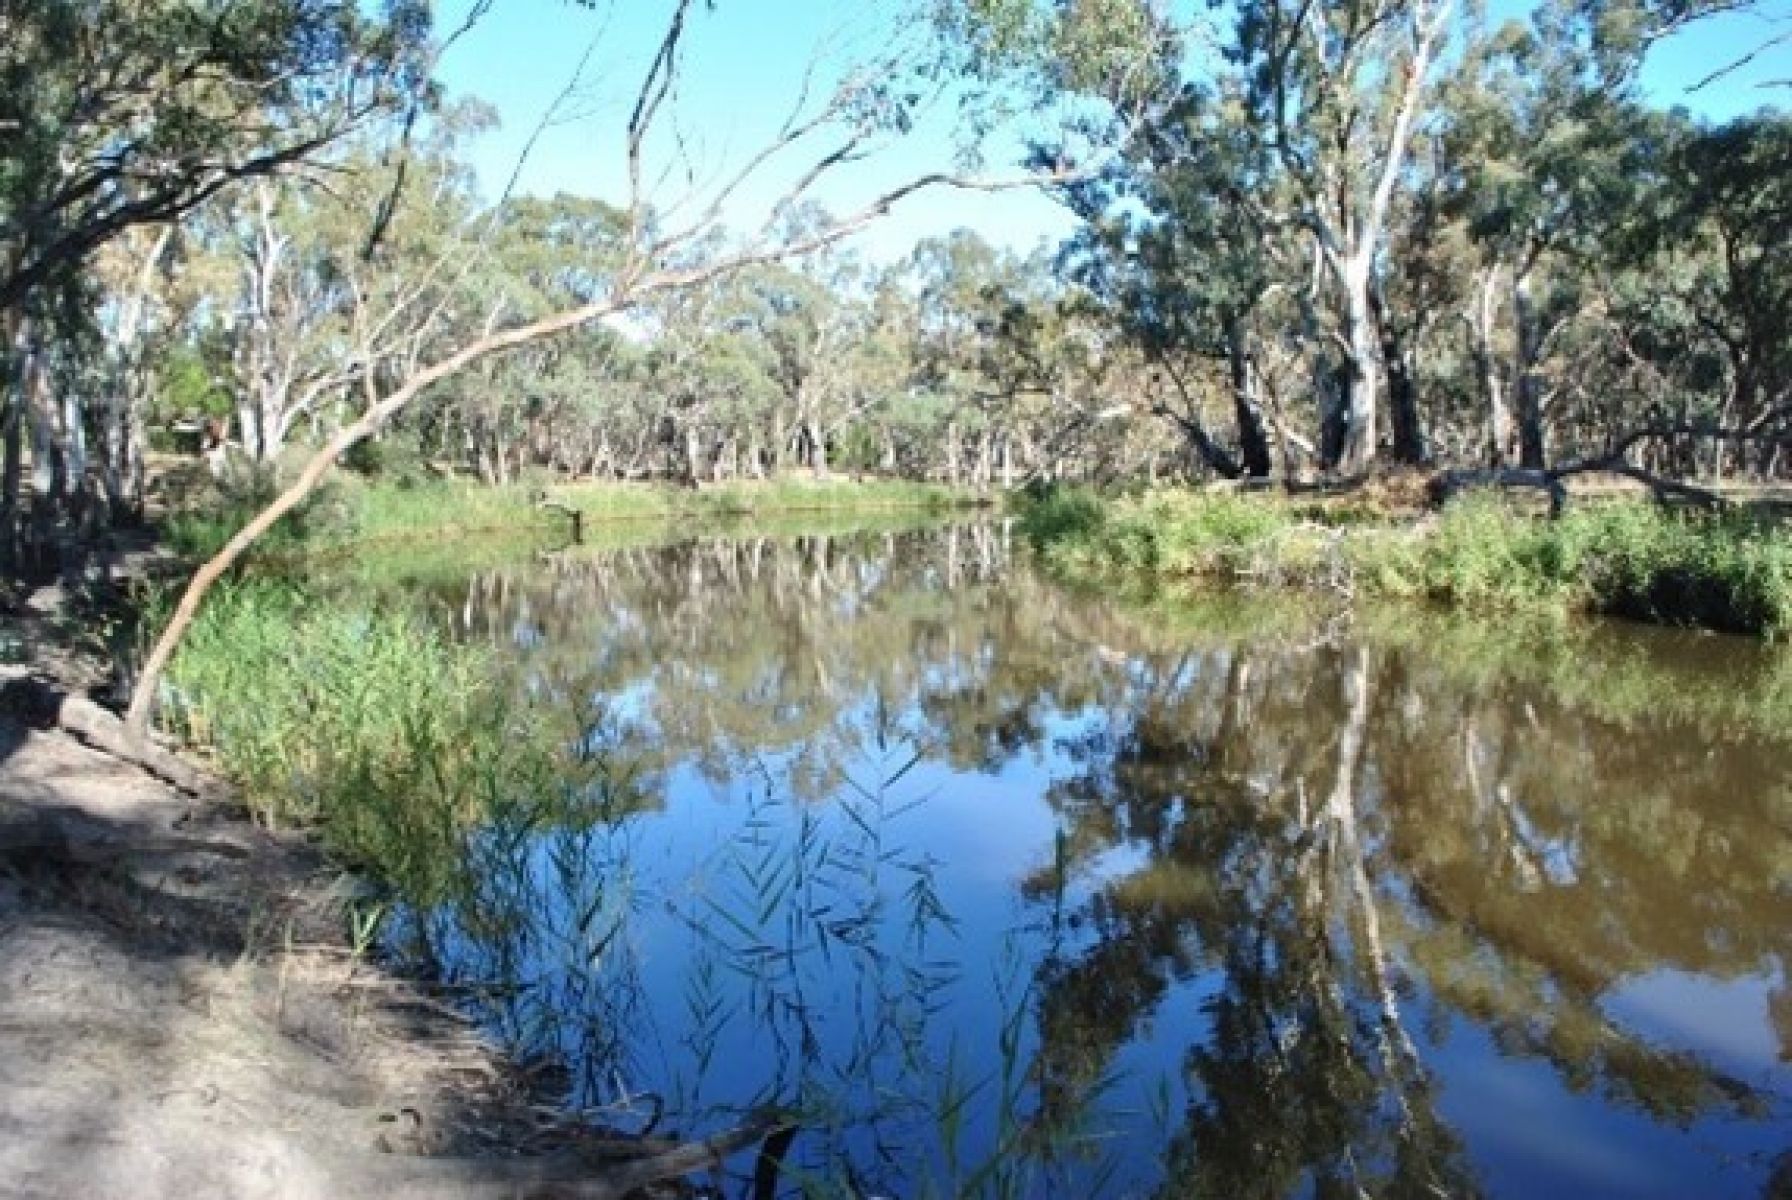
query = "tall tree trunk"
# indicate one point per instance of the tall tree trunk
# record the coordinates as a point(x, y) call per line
point(693, 456)
point(1331, 380)
point(1362, 393)
point(248, 428)
point(780, 448)
point(50, 450)
point(1532, 453)
point(121, 455)
point(818, 450)
point(12, 472)
point(491, 444)
point(1404, 419)
point(1482, 323)
point(1253, 435)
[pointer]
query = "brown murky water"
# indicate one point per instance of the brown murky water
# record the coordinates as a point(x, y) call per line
point(1010, 890)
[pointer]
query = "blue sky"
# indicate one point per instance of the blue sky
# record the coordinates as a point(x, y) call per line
point(744, 64)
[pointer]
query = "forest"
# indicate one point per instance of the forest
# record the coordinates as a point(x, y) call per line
point(1312, 239)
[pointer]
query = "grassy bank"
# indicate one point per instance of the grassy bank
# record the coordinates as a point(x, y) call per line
point(352, 509)
point(364, 724)
point(1482, 552)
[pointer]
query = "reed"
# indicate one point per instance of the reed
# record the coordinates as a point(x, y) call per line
point(362, 722)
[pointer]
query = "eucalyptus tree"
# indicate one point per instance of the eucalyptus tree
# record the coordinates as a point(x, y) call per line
point(973, 349)
point(1326, 99)
point(305, 299)
point(711, 376)
point(881, 384)
point(1720, 245)
point(836, 122)
point(120, 113)
point(1173, 249)
point(1542, 154)
point(528, 257)
point(808, 320)
point(1335, 93)
point(126, 116)
point(135, 326)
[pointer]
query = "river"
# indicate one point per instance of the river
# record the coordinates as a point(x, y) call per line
point(1008, 889)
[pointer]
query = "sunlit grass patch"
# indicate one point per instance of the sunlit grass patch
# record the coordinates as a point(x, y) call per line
point(1482, 552)
point(350, 508)
point(364, 723)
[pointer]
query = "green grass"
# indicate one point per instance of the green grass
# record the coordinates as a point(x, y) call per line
point(1622, 558)
point(350, 509)
point(393, 743)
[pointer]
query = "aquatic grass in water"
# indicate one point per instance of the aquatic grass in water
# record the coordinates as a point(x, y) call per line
point(1482, 552)
point(808, 941)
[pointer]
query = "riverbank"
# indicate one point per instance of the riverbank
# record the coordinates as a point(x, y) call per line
point(353, 509)
point(353, 718)
point(184, 1015)
point(189, 1001)
point(1481, 552)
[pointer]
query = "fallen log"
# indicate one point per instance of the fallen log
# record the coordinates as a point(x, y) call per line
point(42, 705)
point(1446, 485)
point(568, 1176)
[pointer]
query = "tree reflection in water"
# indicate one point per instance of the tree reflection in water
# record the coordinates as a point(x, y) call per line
point(1016, 891)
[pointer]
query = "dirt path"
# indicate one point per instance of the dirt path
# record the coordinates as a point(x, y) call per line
point(178, 1015)
point(181, 1015)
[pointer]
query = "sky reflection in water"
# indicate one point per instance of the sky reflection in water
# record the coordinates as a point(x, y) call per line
point(1015, 891)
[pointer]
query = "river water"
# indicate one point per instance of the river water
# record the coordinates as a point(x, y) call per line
point(1004, 888)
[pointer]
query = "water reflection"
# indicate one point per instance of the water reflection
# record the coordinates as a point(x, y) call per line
point(1011, 891)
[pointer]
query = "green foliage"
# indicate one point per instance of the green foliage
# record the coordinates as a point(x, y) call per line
point(1061, 514)
point(121, 113)
point(1626, 559)
point(187, 386)
point(395, 461)
point(362, 721)
point(199, 529)
point(1177, 535)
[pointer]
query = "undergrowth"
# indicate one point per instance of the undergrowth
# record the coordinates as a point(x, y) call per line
point(1482, 552)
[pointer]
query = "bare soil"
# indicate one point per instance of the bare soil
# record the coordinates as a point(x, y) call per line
point(181, 1014)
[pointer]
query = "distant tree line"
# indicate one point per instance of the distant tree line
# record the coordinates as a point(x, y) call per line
point(1315, 237)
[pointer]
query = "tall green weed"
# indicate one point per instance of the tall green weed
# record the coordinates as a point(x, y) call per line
point(362, 722)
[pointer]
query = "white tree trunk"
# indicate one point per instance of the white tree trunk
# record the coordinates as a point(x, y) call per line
point(1363, 401)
